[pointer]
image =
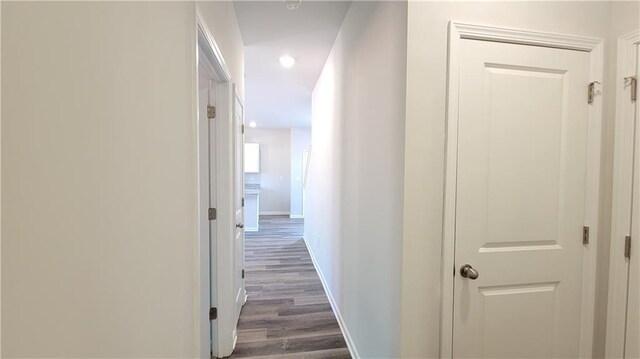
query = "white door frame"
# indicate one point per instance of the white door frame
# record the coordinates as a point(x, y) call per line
point(223, 339)
point(594, 46)
point(622, 187)
point(306, 156)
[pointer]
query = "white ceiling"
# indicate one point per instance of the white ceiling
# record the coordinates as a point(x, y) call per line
point(275, 96)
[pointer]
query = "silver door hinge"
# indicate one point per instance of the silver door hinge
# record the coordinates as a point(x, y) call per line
point(242, 202)
point(213, 214)
point(213, 313)
point(243, 129)
point(211, 112)
point(585, 235)
point(591, 91)
point(243, 274)
point(627, 247)
point(633, 83)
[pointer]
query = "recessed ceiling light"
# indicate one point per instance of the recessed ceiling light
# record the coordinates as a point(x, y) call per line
point(292, 4)
point(287, 61)
point(252, 124)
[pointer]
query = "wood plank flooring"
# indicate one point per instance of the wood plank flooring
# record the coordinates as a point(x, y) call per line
point(287, 314)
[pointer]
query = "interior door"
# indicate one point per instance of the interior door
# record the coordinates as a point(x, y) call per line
point(632, 342)
point(207, 199)
point(520, 201)
point(238, 115)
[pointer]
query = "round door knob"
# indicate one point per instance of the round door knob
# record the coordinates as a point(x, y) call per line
point(467, 271)
point(240, 225)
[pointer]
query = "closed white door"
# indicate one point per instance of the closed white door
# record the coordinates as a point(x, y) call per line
point(238, 115)
point(520, 201)
point(632, 342)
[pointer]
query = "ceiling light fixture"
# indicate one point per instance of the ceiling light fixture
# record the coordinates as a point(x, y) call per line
point(292, 4)
point(287, 61)
point(252, 124)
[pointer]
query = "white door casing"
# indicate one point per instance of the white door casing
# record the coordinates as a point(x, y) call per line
point(623, 316)
point(632, 341)
point(520, 139)
point(207, 198)
point(305, 163)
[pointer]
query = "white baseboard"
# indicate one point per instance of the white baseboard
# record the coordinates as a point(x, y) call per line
point(275, 213)
point(296, 216)
point(343, 326)
point(235, 339)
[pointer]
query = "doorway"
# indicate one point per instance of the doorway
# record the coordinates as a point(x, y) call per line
point(521, 195)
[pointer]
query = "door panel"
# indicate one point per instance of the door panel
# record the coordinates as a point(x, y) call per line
point(239, 205)
point(500, 302)
point(522, 149)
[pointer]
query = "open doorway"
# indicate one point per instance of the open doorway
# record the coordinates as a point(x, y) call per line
point(287, 309)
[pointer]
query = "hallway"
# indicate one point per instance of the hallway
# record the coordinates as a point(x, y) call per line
point(287, 313)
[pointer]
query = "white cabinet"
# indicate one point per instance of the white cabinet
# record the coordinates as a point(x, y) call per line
point(251, 158)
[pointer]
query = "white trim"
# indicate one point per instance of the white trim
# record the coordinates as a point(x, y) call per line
point(210, 47)
point(592, 205)
point(275, 213)
point(343, 326)
point(201, 274)
point(525, 37)
point(203, 249)
point(622, 191)
point(457, 32)
point(295, 216)
point(206, 44)
point(1, 178)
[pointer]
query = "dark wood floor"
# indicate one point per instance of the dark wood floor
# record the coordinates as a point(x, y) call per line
point(287, 314)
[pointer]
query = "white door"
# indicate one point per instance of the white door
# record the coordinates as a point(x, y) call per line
point(520, 200)
point(207, 199)
point(238, 115)
point(632, 342)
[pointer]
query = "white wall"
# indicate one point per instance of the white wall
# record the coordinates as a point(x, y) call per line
point(425, 129)
point(300, 140)
point(353, 222)
point(275, 172)
point(99, 177)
